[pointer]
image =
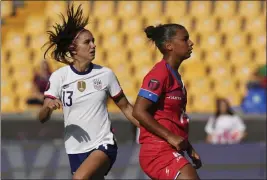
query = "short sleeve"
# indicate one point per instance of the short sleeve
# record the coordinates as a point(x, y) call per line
point(209, 126)
point(239, 124)
point(114, 87)
point(153, 85)
point(53, 86)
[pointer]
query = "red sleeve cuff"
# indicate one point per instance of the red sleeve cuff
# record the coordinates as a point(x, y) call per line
point(49, 96)
point(117, 95)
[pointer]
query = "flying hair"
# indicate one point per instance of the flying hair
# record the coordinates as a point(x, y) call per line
point(63, 35)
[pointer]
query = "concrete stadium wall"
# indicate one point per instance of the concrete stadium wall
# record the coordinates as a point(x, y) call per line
point(19, 127)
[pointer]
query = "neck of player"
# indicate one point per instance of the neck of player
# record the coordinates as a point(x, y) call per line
point(174, 62)
point(81, 66)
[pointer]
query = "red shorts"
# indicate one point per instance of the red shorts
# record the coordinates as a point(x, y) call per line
point(161, 161)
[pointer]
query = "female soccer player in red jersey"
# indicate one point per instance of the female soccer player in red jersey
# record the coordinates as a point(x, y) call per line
point(160, 109)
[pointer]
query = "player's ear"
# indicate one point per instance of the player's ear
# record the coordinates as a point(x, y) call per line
point(168, 46)
point(72, 49)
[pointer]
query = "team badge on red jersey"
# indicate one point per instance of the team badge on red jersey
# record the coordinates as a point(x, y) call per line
point(153, 84)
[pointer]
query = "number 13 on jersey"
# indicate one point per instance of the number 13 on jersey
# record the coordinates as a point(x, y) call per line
point(67, 98)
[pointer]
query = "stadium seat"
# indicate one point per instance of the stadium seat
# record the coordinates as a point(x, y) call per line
point(151, 8)
point(256, 25)
point(103, 9)
point(141, 71)
point(240, 56)
point(204, 103)
point(210, 41)
point(253, 7)
point(38, 41)
point(132, 25)
point(199, 84)
point(215, 56)
point(129, 88)
point(193, 69)
point(6, 8)
point(236, 41)
point(140, 58)
point(8, 103)
point(230, 25)
point(100, 56)
point(258, 40)
point(156, 20)
point(117, 57)
point(34, 5)
point(53, 10)
point(185, 21)
point(195, 56)
point(4, 60)
point(219, 71)
point(114, 41)
point(122, 70)
point(86, 6)
point(20, 59)
point(225, 86)
point(15, 39)
point(35, 24)
point(224, 9)
point(24, 87)
point(244, 71)
point(7, 95)
point(22, 74)
point(261, 56)
point(108, 25)
point(137, 41)
point(200, 8)
point(5, 70)
point(206, 25)
point(175, 9)
point(128, 9)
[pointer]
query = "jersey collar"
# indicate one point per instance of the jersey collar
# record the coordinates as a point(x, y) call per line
point(82, 73)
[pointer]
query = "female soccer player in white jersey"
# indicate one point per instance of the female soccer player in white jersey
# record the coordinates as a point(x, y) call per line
point(82, 89)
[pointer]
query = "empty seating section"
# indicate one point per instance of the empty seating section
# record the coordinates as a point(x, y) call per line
point(229, 38)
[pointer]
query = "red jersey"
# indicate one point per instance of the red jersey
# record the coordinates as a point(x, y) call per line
point(164, 86)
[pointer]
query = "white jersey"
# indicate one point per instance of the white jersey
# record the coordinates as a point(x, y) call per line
point(84, 97)
point(225, 129)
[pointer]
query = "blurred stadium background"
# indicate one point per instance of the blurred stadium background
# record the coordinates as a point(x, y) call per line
point(230, 44)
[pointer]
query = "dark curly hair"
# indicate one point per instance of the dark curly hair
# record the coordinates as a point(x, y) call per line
point(63, 35)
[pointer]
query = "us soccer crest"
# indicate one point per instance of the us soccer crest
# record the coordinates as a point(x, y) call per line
point(81, 85)
point(97, 84)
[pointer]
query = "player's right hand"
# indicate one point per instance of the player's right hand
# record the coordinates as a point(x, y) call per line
point(54, 104)
point(178, 142)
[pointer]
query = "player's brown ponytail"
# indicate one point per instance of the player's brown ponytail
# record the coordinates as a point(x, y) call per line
point(61, 38)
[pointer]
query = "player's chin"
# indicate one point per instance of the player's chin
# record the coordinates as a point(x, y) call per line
point(92, 57)
point(187, 57)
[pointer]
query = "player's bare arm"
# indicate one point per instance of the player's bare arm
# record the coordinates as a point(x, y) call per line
point(127, 109)
point(47, 109)
point(141, 113)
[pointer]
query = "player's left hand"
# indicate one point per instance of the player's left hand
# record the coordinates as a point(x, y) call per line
point(195, 158)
